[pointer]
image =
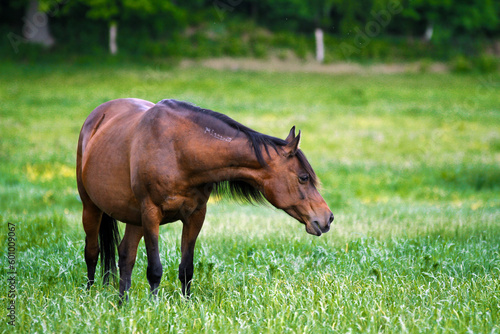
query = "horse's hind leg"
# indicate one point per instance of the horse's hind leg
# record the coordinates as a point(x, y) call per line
point(91, 218)
point(128, 253)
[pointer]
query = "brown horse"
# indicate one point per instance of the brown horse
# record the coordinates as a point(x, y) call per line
point(150, 164)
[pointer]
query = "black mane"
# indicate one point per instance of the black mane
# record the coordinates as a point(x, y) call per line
point(238, 189)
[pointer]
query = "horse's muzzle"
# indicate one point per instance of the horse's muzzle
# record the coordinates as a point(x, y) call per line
point(317, 228)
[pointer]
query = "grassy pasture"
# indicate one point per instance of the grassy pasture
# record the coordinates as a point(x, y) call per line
point(409, 164)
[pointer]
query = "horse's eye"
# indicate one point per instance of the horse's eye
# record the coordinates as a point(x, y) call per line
point(303, 178)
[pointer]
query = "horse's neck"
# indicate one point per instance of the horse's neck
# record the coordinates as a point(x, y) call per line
point(222, 159)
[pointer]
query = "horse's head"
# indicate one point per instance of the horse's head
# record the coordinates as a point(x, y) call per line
point(291, 184)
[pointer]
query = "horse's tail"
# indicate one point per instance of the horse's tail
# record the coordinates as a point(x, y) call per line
point(109, 239)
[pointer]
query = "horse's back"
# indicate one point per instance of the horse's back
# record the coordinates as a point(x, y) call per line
point(108, 111)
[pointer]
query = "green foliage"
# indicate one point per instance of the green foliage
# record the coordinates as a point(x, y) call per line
point(487, 63)
point(469, 17)
point(103, 9)
point(408, 163)
point(483, 64)
point(461, 64)
point(377, 29)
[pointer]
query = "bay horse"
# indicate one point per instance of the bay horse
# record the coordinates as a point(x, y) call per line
point(147, 164)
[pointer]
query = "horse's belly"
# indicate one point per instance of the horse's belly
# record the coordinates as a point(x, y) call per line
point(112, 195)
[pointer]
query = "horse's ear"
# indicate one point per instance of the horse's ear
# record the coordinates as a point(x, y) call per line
point(292, 147)
point(291, 135)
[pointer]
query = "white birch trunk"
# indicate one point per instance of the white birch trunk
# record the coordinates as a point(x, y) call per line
point(428, 32)
point(113, 32)
point(320, 46)
point(36, 26)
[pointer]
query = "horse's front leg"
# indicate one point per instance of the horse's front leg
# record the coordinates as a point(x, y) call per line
point(190, 230)
point(128, 253)
point(151, 217)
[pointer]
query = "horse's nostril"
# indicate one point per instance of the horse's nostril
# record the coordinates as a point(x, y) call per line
point(331, 217)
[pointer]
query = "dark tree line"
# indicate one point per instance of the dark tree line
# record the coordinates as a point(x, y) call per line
point(435, 21)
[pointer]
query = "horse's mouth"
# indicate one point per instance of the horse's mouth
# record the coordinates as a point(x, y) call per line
point(313, 228)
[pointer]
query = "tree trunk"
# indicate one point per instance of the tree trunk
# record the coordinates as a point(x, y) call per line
point(320, 46)
point(429, 30)
point(113, 32)
point(36, 26)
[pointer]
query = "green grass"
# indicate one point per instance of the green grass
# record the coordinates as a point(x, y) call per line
point(409, 164)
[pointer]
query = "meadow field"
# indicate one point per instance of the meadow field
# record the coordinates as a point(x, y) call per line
point(409, 165)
